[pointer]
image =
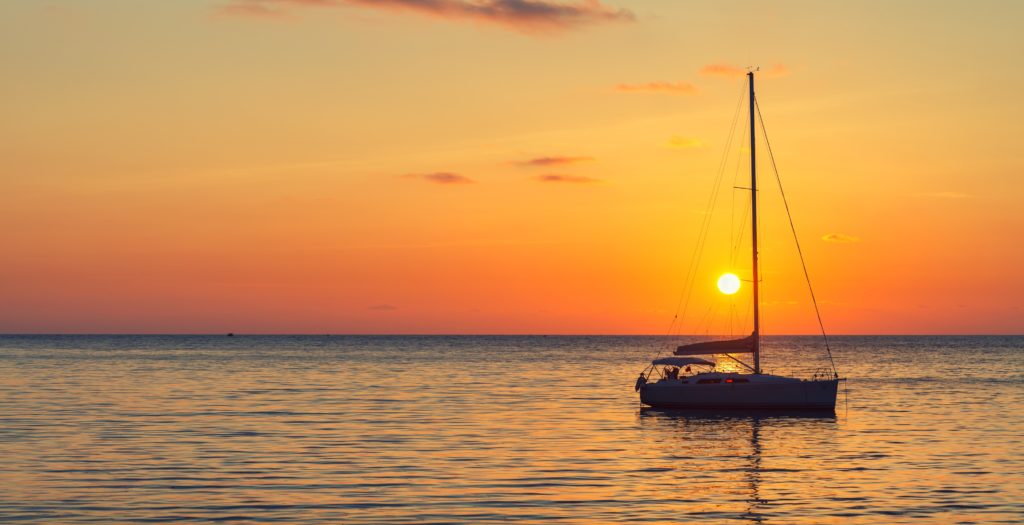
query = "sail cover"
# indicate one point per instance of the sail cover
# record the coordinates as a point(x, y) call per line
point(681, 361)
point(730, 346)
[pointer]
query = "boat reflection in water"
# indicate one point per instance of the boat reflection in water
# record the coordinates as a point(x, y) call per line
point(720, 456)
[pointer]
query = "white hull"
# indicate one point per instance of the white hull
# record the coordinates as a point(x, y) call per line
point(741, 391)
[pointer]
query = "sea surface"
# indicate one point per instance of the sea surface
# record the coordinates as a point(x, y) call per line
point(436, 429)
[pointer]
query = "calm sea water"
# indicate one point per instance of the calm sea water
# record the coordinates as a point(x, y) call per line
point(492, 429)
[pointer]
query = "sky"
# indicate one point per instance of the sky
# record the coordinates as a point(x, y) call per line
point(506, 166)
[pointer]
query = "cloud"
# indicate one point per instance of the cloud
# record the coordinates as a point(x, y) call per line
point(684, 142)
point(557, 177)
point(675, 88)
point(722, 70)
point(382, 307)
point(554, 161)
point(441, 177)
point(839, 238)
point(522, 15)
point(788, 302)
point(731, 71)
point(251, 9)
point(946, 195)
point(776, 71)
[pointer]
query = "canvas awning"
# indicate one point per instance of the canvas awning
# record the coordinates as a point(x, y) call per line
point(681, 361)
point(729, 346)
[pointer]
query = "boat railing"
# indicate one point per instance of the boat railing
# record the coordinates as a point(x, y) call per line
point(822, 374)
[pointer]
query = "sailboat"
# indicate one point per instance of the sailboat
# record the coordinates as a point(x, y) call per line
point(717, 390)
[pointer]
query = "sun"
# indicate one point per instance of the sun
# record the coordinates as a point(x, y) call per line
point(728, 283)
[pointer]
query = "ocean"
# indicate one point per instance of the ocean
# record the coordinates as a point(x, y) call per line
point(475, 429)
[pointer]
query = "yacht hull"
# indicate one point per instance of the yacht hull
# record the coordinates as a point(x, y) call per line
point(792, 394)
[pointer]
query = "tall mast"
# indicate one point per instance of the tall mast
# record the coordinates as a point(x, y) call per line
point(753, 229)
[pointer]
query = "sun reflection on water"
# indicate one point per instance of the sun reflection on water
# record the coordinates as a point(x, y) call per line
point(706, 444)
point(492, 429)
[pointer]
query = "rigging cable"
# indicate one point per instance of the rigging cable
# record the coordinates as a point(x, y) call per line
point(796, 239)
point(691, 273)
point(746, 209)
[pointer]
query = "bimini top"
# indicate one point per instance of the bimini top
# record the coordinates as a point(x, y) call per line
point(681, 361)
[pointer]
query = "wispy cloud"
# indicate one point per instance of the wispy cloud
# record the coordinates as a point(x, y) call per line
point(441, 177)
point(251, 9)
point(788, 302)
point(731, 71)
point(674, 88)
point(558, 177)
point(776, 71)
point(684, 142)
point(522, 15)
point(554, 161)
point(722, 70)
point(839, 238)
point(946, 195)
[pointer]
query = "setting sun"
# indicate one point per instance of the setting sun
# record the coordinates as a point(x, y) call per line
point(472, 260)
point(728, 283)
point(281, 182)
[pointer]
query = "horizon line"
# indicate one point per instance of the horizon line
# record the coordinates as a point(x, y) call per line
point(495, 334)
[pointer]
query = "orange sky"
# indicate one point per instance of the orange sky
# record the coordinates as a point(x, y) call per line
point(348, 166)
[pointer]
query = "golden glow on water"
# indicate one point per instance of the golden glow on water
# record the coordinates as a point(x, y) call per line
point(725, 364)
point(545, 429)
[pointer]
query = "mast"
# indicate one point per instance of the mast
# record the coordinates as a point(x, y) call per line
point(753, 229)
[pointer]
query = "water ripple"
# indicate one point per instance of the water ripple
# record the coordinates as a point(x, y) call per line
point(493, 429)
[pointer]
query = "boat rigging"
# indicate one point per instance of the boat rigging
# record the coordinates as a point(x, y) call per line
point(732, 390)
